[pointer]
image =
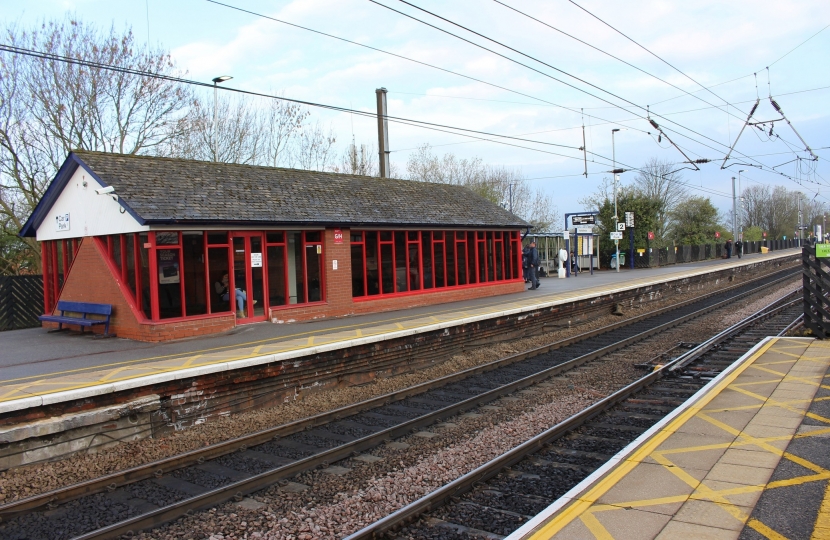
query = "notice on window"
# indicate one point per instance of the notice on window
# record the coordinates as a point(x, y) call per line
point(168, 261)
point(256, 260)
point(62, 222)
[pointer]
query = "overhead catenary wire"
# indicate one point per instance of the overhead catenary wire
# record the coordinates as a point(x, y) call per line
point(550, 76)
point(412, 121)
point(612, 56)
point(406, 58)
point(541, 100)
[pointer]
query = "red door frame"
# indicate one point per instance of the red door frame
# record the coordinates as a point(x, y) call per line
point(249, 278)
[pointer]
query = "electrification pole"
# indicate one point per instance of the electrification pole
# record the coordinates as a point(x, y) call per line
point(383, 133)
point(614, 173)
point(741, 201)
point(734, 212)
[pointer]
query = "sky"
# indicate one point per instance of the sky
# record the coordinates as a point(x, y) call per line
point(676, 50)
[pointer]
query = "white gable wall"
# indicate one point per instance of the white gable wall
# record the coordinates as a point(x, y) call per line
point(90, 214)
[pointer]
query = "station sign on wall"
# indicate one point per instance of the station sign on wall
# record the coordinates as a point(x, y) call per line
point(62, 222)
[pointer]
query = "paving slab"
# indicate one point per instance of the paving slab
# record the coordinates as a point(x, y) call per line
point(721, 472)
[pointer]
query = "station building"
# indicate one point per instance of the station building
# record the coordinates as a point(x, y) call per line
point(182, 248)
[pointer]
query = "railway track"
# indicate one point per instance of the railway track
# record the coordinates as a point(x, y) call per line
point(147, 496)
point(497, 498)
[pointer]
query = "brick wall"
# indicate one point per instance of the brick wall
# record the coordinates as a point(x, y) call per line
point(339, 301)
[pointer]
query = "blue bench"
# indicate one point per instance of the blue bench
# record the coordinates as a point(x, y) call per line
point(83, 308)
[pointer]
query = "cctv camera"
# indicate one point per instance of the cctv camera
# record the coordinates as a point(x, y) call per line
point(105, 190)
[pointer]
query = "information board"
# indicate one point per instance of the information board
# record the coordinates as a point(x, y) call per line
point(587, 219)
point(616, 236)
point(823, 250)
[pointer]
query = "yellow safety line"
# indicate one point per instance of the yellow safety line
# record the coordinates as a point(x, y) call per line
point(821, 528)
point(614, 476)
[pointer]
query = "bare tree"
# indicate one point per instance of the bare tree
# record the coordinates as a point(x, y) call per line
point(658, 180)
point(360, 160)
point(48, 108)
point(754, 202)
point(502, 185)
point(283, 121)
point(314, 149)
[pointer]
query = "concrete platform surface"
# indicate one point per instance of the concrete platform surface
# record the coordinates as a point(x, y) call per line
point(39, 368)
point(718, 467)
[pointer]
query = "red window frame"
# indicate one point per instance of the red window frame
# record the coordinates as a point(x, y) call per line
point(493, 246)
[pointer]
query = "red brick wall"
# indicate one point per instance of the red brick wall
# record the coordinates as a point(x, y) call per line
point(339, 301)
point(92, 280)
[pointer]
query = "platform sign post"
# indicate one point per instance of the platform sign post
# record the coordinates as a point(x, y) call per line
point(629, 223)
point(577, 219)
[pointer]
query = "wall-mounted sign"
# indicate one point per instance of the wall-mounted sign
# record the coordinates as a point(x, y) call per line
point(338, 236)
point(256, 260)
point(616, 235)
point(822, 250)
point(587, 219)
point(62, 222)
point(319, 249)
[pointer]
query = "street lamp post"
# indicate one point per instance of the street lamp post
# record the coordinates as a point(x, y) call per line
point(216, 80)
point(614, 173)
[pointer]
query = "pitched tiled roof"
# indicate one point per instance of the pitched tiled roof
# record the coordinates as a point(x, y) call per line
point(164, 190)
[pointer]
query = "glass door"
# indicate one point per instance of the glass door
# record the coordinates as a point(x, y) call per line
point(249, 286)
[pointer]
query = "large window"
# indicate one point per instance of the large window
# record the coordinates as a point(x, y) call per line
point(392, 262)
point(56, 258)
point(174, 274)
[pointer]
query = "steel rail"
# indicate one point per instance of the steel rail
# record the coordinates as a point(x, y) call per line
point(166, 465)
point(798, 322)
point(490, 469)
point(269, 478)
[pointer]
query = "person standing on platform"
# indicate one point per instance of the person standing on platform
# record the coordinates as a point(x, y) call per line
point(533, 265)
point(574, 265)
point(729, 249)
point(525, 263)
point(739, 248)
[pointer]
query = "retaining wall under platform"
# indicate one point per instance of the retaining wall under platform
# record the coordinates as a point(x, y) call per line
point(194, 396)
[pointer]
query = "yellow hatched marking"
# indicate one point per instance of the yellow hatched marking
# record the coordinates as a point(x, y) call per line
point(596, 528)
point(615, 475)
point(767, 532)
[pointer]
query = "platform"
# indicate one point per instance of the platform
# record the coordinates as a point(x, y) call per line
point(748, 456)
point(39, 368)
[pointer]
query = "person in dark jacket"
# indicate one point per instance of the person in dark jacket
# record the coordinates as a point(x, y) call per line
point(739, 248)
point(525, 263)
point(729, 249)
point(533, 265)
